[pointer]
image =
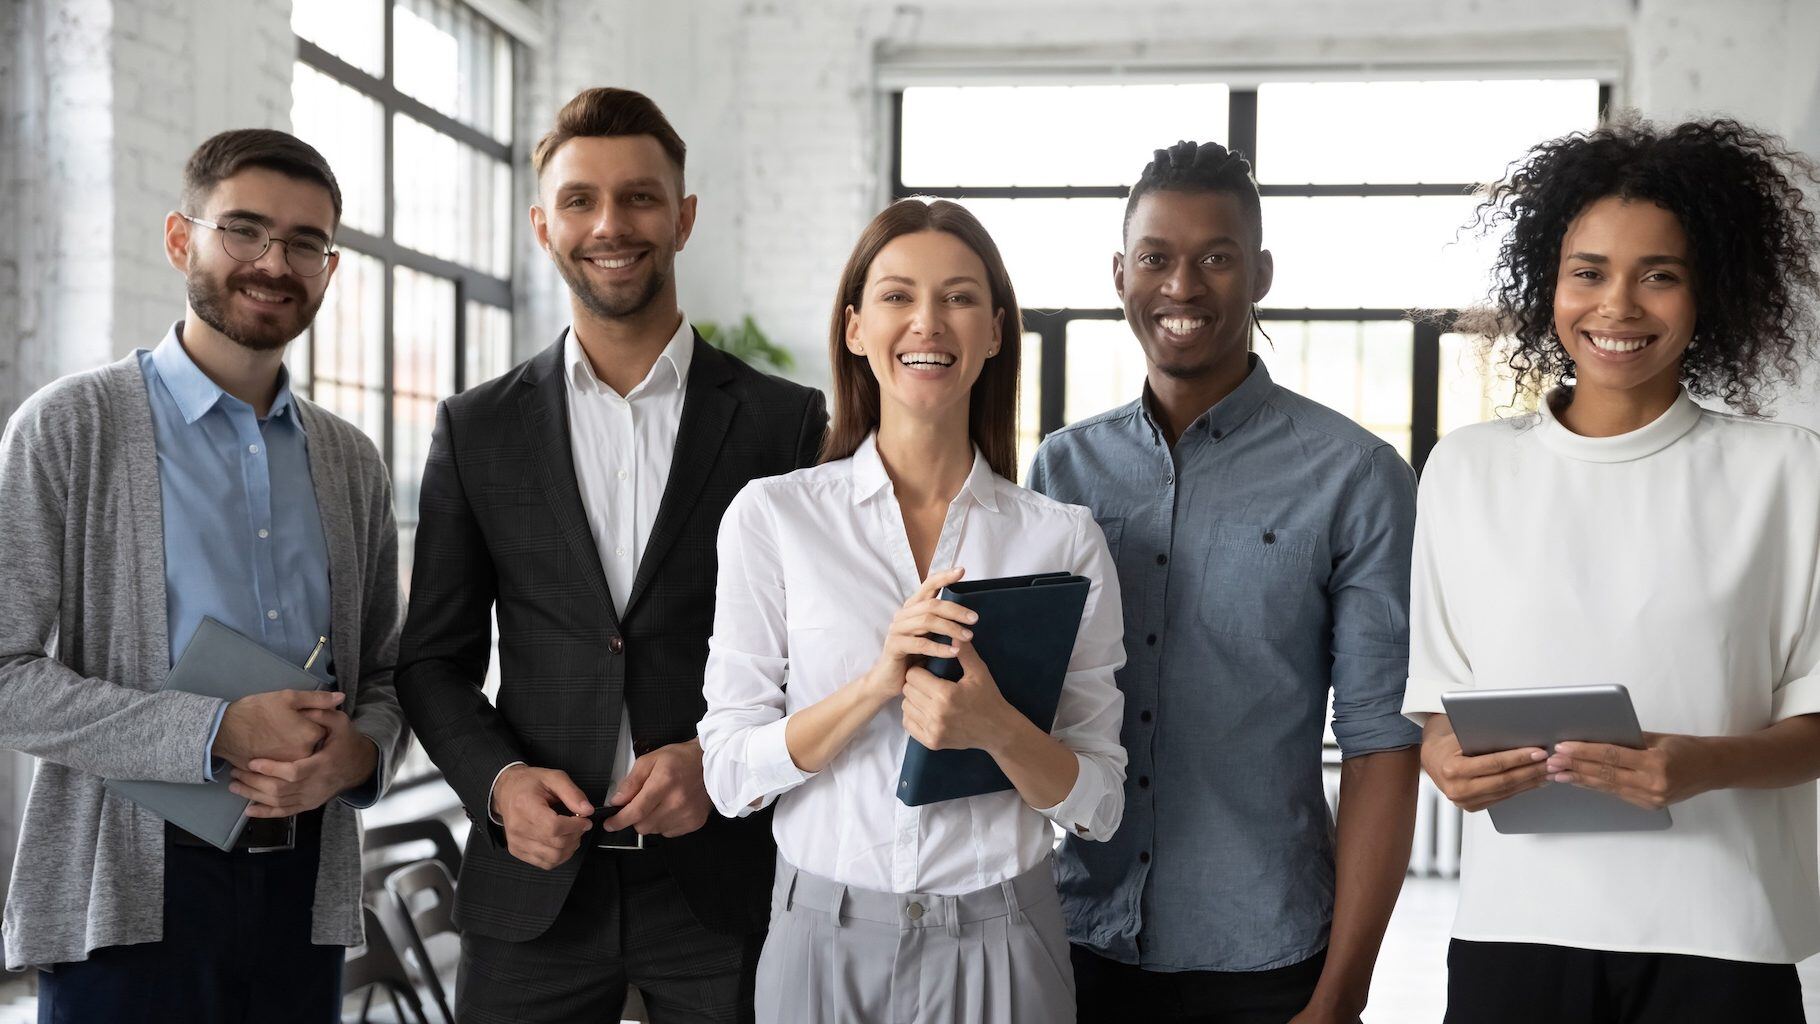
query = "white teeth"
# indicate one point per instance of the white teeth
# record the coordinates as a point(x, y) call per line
point(1609, 344)
point(614, 264)
point(926, 359)
point(1182, 324)
point(262, 296)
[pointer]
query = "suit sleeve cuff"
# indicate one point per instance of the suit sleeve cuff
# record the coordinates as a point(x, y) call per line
point(493, 815)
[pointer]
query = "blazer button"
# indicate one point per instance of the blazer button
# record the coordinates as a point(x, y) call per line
point(616, 645)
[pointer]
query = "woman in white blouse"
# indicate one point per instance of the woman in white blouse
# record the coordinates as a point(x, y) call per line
point(827, 597)
point(1624, 534)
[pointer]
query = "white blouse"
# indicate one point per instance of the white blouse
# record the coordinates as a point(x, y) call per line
point(813, 567)
point(1681, 560)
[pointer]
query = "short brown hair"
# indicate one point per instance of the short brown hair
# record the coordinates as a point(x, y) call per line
point(992, 407)
point(605, 111)
point(231, 152)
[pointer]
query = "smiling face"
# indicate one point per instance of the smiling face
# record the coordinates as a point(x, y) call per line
point(1624, 297)
point(263, 304)
point(925, 324)
point(1189, 276)
point(612, 216)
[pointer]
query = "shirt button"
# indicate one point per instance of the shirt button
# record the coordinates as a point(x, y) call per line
point(1162, 559)
point(1144, 857)
point(1270, 537)
point(621, 552)
point(273, 614)
point(1151, 639)
point(616, 645)
point(914, 911)
point(622, 474)
point(1143, 782)
point(1218, 434)
point(263, 534)
point(1144, 716)
point(253, 448)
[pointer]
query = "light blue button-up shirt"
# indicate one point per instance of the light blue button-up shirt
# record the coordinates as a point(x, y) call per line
point(1264, 564)
point(243, 540)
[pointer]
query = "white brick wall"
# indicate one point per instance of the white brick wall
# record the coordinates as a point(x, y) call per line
point(104, 101)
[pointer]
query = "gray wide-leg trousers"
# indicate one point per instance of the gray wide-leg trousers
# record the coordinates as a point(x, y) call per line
point(839, 955)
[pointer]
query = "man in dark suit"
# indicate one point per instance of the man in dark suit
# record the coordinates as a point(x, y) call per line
point(579, 496)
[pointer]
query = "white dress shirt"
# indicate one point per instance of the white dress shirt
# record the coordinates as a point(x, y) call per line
point(623, 446)
point(1681, 560)
point(813, 567)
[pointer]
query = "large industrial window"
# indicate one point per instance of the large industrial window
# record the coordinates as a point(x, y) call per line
point(1367, 188)
point(410, 102)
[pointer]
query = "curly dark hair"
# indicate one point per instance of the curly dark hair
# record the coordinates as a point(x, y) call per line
point(1736, 192)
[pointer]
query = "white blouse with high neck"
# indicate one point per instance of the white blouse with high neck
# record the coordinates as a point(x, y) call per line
point(1681, 560)
point(813, 567)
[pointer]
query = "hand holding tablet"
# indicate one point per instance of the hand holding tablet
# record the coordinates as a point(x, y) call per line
point(1605, 779)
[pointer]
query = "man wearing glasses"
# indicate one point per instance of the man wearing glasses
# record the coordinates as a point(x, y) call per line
point(181, 483)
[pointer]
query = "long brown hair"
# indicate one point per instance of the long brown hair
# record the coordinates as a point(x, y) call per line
point(992, 406)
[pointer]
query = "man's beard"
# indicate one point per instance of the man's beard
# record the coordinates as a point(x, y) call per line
point(629, 301)
point(210, 297)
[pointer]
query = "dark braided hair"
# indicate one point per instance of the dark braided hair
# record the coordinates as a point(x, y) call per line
point(1752, 238)
point(1199, 167)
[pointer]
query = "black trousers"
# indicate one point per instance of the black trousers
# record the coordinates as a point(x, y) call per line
point(625, 923)
point(236, 950)
point(1523, 982)
point(1106, 990)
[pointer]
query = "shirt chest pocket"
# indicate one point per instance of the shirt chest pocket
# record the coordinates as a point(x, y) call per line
point(1258, 580)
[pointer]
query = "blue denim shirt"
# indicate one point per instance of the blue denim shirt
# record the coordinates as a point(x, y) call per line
point(243, 540)
point(1264, 563)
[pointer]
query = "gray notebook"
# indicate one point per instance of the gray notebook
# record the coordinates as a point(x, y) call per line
point(217, 663)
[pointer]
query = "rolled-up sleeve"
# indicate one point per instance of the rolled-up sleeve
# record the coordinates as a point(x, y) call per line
point(1369, 591)
point(745, 759)
point(1091, 708)
point(1798, 691)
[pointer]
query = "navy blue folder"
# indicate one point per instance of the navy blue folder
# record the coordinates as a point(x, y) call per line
point(1025, 635)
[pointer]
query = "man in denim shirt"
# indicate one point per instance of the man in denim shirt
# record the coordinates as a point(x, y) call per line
point(1263, 545)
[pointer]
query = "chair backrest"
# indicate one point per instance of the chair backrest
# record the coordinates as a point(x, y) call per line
point(423, 895)
point(427, 894)
point(376, 963)
point(386, 847)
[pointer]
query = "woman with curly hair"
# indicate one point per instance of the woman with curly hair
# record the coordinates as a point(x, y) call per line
point(1624, 534)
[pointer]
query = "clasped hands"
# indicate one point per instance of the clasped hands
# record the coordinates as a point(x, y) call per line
point(545, 814)
point(941, 715)
point(1668, 769)
point(292, 751)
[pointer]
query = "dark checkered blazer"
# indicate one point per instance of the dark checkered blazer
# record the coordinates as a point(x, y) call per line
point(502, 526)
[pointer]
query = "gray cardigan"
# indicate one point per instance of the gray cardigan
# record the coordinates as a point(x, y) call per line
point(84, 649)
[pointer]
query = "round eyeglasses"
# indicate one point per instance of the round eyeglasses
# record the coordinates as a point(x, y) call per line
point(247, 240)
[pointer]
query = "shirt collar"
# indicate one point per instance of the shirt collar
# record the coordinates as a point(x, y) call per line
point(192, 389)
point(869, 476)
point(671, 367)
point(1228, 413)
point(1648, 439)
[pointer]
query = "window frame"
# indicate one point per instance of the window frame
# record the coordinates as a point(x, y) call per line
point(470, 284)
point(1051, 325)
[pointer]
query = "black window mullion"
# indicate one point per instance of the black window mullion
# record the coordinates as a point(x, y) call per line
point(1425, 391)
point(1242, 123)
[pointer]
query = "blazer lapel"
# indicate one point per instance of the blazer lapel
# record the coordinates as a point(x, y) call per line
point(544, 401)
point(707, 413)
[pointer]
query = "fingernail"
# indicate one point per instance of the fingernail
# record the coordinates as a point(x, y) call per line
point(973, 617)
point(966, 634)
point(1538, 755)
